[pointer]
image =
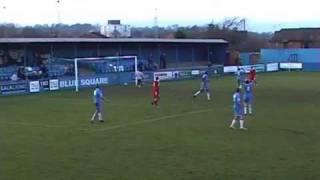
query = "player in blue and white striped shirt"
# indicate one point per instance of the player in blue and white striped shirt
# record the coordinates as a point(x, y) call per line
point(98, 98)
point(237, 110)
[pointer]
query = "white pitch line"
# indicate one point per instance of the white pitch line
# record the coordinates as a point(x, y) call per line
point(32, 124)
point(110, 127)
point(147, 121)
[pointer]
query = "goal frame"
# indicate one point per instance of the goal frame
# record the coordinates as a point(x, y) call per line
point(76, 60)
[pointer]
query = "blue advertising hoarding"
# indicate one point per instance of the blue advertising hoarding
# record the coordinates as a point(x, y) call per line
point(87, 81)
point(14, 88)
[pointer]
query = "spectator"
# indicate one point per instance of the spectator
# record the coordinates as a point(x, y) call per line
point(140, 66)
point(20, 61)
point(44, 71)
point(211, 58)
point(14, 77)
point(70, 70)
point(21, 73)
point(150, 62)
point(2, 64)
point(163, 61)
point(176, 75)
point(155, 66)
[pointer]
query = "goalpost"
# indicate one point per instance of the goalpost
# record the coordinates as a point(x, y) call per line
point(118, 68)
point(100, 65)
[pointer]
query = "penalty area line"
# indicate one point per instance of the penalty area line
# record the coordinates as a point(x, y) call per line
point(145, 121)
point(148, 121)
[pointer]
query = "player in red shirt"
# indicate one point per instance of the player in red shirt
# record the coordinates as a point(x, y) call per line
point(252, 75)
point(156, 92)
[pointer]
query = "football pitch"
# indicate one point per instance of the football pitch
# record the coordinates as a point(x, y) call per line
point(48, 136)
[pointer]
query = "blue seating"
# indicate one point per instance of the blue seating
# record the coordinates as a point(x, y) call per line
point(62, 68)
point(7, 72)
point(57, 70)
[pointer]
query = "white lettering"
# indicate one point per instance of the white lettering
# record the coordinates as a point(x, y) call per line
point(95, 81)
point(84, 82)
point(67, 83)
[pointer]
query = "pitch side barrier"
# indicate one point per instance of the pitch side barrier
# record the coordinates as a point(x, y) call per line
point(270, 67)
point(89, 81)
point(187, 73)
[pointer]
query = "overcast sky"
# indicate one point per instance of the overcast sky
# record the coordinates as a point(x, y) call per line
point(261, 15)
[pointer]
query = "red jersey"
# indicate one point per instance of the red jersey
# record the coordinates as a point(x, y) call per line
point(155, 88)
point(252, 75)
point(155, 85)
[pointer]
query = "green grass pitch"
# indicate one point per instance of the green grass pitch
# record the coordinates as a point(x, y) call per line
point(49, 137)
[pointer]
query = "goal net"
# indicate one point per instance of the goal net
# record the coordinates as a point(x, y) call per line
point(78, 68)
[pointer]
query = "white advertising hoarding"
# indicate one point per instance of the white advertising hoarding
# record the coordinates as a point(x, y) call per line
point(291, 66)
point(54, 84)
point(34, 86)
point(163, 75)
point(272, 67)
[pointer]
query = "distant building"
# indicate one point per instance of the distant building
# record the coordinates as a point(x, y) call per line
point(93, 35)
point(297, 38)
point(114, 29)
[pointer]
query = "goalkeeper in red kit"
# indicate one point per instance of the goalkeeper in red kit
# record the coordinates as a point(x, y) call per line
point(156, 92)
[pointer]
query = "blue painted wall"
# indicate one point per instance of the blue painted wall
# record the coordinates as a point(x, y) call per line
point(245, 58)
point(281, 55)
point(309, 57)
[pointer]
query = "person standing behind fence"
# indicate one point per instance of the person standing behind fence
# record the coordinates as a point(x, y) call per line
point(163, 61)
point(150, 62)
point(140, 77)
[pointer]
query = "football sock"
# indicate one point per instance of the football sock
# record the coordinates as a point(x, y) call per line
point(241, 124)
point(155, 103)
point(209, 96)
point(197, 93)
point(94, 116)
point(233, 123)
point(100, 116)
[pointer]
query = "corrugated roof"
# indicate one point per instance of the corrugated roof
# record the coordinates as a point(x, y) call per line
point(106, 40)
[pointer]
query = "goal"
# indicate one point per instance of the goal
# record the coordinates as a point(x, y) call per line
point(94, 66)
